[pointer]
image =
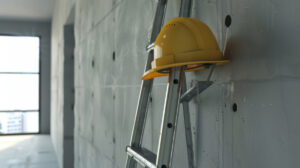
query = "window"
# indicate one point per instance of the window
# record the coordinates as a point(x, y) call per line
point(19, 84)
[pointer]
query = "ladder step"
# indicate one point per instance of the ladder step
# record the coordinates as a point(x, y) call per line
point(150, 47)
point(143, 156)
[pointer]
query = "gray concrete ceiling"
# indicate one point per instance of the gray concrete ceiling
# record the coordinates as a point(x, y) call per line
point(41, 10)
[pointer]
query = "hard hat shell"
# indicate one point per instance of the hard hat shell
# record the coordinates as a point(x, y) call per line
point(184, 42)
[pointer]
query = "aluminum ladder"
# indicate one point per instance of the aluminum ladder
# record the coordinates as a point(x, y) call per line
point(176, 93)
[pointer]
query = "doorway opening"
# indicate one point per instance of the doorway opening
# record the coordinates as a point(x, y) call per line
point(69, 93)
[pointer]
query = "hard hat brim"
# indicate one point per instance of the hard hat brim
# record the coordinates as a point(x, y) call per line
point(154, 73)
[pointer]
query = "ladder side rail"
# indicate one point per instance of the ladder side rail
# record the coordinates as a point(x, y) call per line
point(185, 8)
point(187, 125)
point(169, 121)
point(146, 86)
point(185, 11)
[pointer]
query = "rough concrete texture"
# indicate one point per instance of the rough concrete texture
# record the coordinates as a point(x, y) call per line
point(262, 79)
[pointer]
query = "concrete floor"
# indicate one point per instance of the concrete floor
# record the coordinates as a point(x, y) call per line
point(28, 151)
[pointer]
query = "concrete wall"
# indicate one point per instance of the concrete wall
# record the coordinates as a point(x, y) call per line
point(43, 30)
point(262, 79)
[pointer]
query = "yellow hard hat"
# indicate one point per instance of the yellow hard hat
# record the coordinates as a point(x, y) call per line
point(184, 42)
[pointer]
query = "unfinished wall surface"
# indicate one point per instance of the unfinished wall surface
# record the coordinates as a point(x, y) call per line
point(262, 79)
point(43, 30)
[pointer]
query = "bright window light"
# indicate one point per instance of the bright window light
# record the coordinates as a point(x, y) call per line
point(19, 54)
point(19, 84)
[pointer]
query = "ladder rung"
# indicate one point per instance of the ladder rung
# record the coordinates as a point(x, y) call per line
point(143, 156)
point(150, 47)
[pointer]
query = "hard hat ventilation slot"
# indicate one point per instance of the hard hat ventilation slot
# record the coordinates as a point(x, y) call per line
point(170, 25)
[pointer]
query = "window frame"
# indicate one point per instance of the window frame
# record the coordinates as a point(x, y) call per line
point(39, 79)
